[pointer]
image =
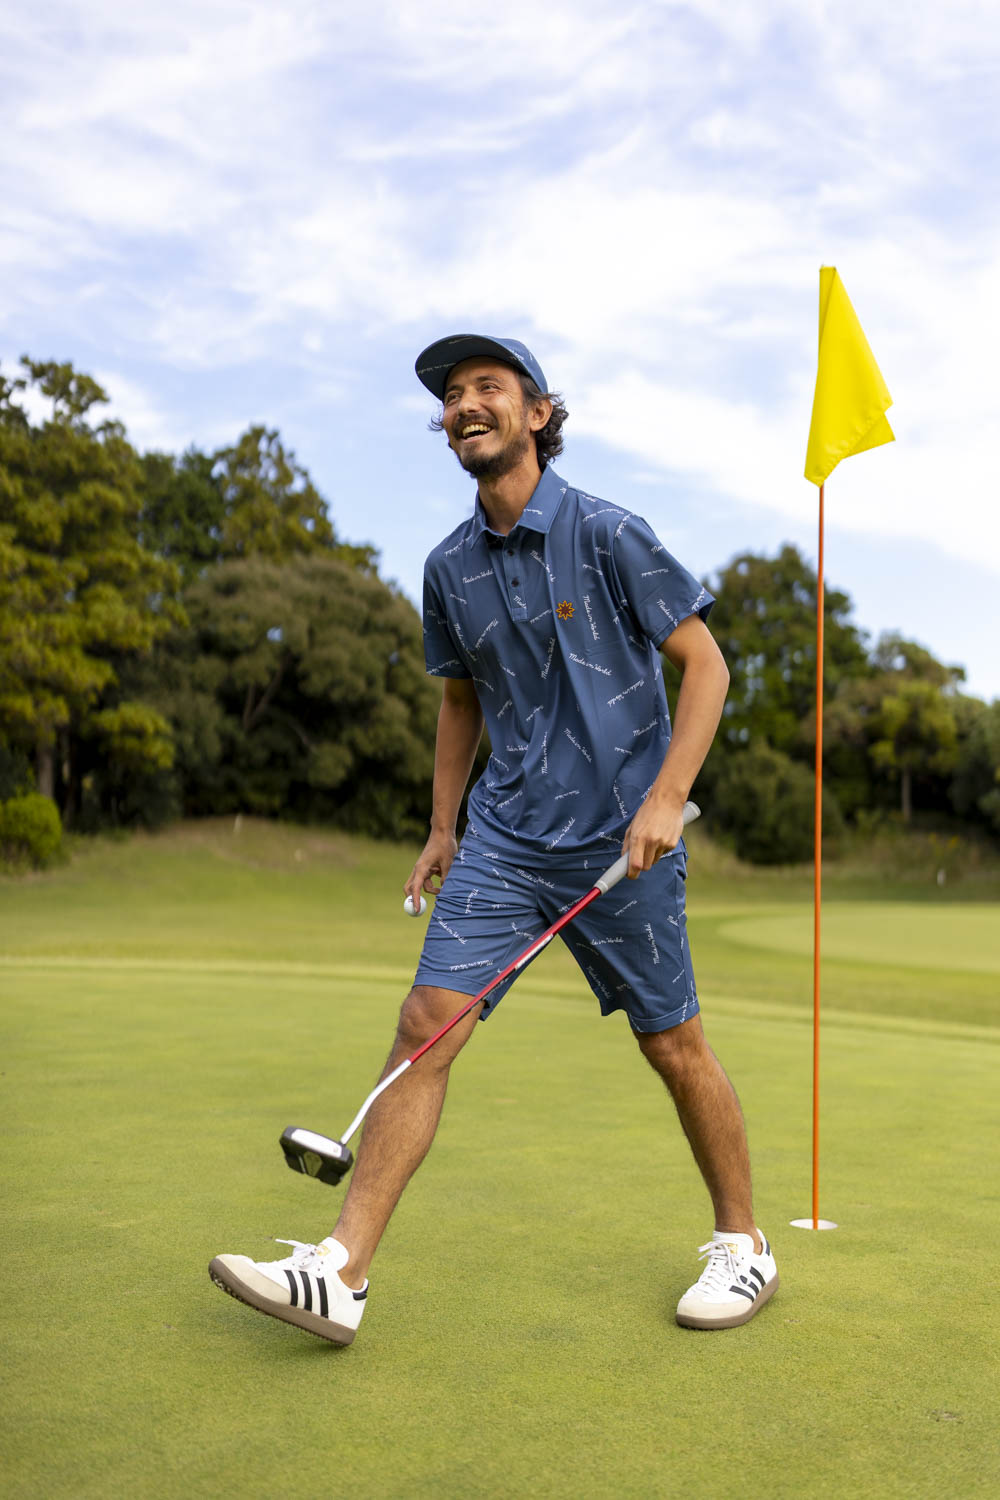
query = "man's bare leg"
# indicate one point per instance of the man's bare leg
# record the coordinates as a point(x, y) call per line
point(401, 1124)
point(711, 1118)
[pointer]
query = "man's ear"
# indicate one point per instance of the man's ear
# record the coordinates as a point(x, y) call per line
point(539, 413)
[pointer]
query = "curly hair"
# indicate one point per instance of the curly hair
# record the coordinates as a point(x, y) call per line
point(548, 441)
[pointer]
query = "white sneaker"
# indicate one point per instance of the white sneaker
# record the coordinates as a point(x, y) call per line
point(303, 1289)
point(736, 1281)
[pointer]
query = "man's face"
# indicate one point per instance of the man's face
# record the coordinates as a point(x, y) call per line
point(488, 423)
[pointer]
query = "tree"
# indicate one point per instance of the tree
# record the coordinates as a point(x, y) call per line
point(251, 499)
point(304, 693)
point(765, 624)
point(916, 736)
point(896, 657)
point(975, 785)
point(78, 590)
point(765, 803)
point(183, 510)
point(271, 508)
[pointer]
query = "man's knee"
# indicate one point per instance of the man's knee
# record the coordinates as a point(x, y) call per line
point(671, 1053)
point(425, 1010)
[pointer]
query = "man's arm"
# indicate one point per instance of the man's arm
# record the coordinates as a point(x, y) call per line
point(459, 730)
point(657, 826)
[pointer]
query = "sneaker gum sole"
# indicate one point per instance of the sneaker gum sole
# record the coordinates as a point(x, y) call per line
point(692, 1320)
point(324, 1328)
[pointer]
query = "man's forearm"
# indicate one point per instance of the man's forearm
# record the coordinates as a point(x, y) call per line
point(459, 730)
point(696, 719)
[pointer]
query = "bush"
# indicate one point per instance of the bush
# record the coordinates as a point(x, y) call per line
point(764, 802)
point(15, 772)
point(30, 831)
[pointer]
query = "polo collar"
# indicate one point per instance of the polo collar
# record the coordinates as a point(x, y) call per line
point(540, 511)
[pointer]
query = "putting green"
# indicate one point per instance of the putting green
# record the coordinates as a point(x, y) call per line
point(169, 1004)
point(956, 938)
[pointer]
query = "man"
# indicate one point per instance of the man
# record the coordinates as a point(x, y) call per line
point(543, 613)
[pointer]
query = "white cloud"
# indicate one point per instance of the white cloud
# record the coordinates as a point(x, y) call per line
point(149, 426)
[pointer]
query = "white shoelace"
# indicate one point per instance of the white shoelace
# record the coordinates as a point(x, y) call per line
point(720, 1271)
point(303, 1257)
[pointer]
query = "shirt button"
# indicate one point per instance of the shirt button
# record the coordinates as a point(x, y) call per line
point(515, 582)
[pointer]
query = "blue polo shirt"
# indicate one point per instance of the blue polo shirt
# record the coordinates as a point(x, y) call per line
point(558, 625)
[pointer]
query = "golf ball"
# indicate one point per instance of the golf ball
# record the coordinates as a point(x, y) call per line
point(408, 907)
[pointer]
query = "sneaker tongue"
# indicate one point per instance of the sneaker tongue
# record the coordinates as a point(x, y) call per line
point(738, 1243)
point(335, 1255)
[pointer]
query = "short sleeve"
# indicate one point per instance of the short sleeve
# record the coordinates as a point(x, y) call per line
point(660, 593)
point(441, 654)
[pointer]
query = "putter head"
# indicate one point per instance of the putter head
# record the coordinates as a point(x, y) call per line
point(316, 1155)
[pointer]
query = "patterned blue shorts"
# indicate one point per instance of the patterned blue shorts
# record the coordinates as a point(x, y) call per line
point(630, 943)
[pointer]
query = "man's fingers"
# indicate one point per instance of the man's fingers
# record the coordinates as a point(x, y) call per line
point(419, 881)
point(643, 854)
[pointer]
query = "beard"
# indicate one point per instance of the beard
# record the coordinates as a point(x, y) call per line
point(503, 461)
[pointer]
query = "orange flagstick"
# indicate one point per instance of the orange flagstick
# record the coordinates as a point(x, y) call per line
point(848, 417)
point(818, 864)
point(816, 1222)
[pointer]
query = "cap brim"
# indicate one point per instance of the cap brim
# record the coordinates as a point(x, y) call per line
point(434, 364)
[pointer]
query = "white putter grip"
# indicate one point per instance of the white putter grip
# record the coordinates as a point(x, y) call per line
point(619, 869)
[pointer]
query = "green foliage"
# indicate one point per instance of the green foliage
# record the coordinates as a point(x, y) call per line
point(190, 634)
point(891, 736)
point(271, 508)
point(30, 831)
point(917, 735)
point(764, 802)
point(975, 786)
point(78, 591)
point(133, 736)
point(183, 510)
point(300, 690)
point(251, 499)
point(15, 773)
point(765, 624)
point(896, 657)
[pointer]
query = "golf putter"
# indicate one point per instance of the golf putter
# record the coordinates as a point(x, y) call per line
point(329, 1160)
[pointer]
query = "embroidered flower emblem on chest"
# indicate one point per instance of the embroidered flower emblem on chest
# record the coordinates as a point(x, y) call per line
point(565, 610)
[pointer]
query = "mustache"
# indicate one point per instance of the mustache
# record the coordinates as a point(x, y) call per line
point(460, 426)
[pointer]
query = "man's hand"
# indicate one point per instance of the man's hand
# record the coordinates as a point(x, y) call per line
point(657, 826)
point(655, 830)
point(434, 863)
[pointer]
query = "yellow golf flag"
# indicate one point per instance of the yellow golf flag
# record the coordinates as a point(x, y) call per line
point(851, 399)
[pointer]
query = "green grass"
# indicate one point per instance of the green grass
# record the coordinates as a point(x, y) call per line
point(170, 1003)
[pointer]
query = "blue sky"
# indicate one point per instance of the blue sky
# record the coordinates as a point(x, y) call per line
point(238, 212)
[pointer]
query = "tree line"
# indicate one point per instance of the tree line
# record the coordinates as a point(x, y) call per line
point(185, 635)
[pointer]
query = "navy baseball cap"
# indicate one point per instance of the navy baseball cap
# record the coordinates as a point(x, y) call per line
point(438, 359)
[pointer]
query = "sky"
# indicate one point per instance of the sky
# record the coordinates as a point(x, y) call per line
point(231, 212)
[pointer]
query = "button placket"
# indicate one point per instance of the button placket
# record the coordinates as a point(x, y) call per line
point(512, 575)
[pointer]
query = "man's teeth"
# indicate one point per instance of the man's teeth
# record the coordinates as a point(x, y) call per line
point(474, 428)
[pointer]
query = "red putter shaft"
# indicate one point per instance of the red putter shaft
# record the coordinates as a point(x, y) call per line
point(612, 875)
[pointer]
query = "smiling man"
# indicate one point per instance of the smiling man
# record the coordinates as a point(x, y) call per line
point(544, 614)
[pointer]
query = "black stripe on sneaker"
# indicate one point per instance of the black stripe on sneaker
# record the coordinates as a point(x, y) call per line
point(324, 1305)
point(307, 1297)
point(742, 1291)
point(360, 1296)
point(754, 1272)
point(293, 1287)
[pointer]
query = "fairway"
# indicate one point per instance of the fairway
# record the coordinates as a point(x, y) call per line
point(950, 938)
point(169, 1006)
